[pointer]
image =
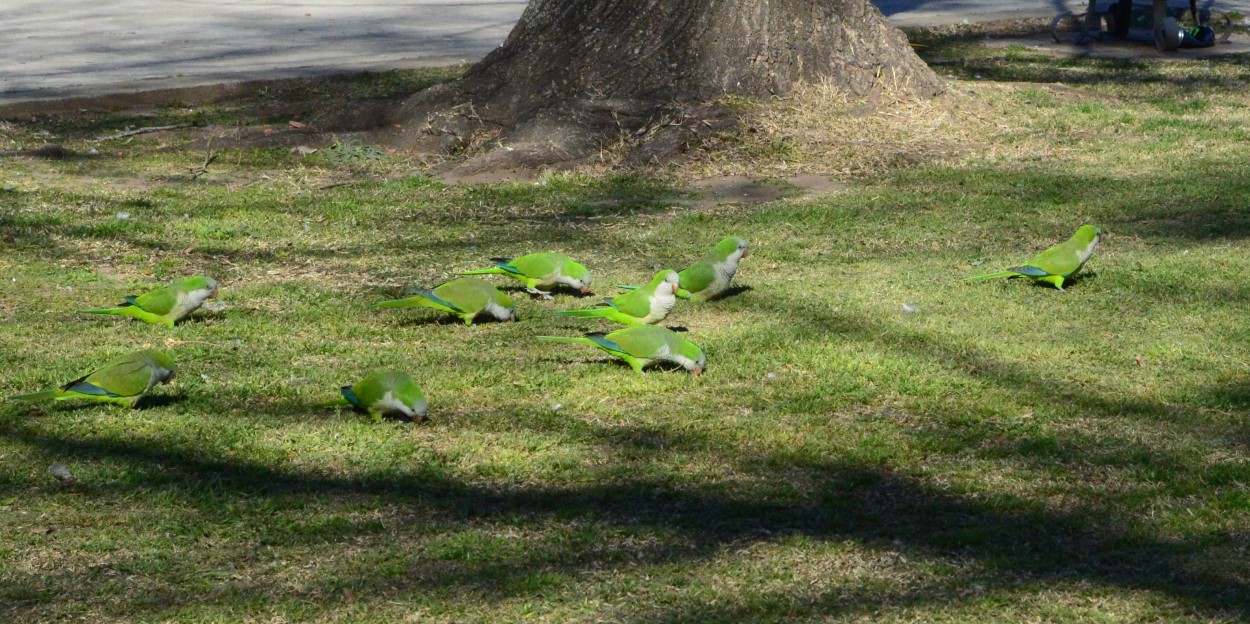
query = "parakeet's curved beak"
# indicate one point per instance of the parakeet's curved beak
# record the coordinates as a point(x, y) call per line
point(696, 371)
point(585, 289)
point(746, 252)
point(675, 287)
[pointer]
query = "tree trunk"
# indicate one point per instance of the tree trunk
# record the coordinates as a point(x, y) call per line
point(576, 75)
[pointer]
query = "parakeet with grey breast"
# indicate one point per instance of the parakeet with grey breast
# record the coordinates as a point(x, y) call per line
point(1059, 263)
point(166, 305)
point(648, 305)
point(711, 276)
point(122, 381)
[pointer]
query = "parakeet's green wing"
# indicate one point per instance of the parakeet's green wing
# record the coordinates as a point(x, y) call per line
point(698, 276)
point(351, 397)
point(435, 299)
point(124, 379)
point(465, 294)
point(636, 303)
point(641, 342)
point(505, 264)
point(160, 301)
point(608, 345)
point(1059, 260)
point(537, 264)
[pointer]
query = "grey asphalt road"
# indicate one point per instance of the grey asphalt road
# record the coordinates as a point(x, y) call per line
point(938, 12)
point(71, 48)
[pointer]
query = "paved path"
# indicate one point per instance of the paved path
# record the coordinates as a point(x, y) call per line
point(938, 12)
point(59, 48)
point(65, 48)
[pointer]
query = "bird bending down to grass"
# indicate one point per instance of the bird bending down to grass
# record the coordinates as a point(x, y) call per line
point(1053, 266)
point(166, 305)
point(466, 297)
point(643, 306)
point(541, 271)
point(122, 381)
point(387, 393)
point(642, 346)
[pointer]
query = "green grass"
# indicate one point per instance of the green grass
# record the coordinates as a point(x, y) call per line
point(1005, 453)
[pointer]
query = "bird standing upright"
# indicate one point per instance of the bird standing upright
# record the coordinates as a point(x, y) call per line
point(646, 305)
point(710, 276)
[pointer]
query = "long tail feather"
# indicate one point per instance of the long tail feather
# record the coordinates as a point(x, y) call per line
point(490, 271)
point(117, 311)
point(568, 339)
point(419, 299)
point(37, 396)
point(406, 302)
point(586, 313)
point(998, 275)
point(626, 287)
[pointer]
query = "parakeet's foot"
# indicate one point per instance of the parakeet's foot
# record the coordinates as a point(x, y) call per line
point(545, 295)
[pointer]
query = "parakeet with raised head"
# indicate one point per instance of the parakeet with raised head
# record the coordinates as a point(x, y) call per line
point(541, 272)
point(122, 381)
point(648, 305)
point(388, 393)
point(166, 305)
point(710, 276)
point(644, 345)
point(466, 297)
point(1056, 264)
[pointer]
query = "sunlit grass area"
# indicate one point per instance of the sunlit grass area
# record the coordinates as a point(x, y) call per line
point(994, 451)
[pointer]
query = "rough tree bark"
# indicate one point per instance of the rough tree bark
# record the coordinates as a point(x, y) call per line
point(576, 74)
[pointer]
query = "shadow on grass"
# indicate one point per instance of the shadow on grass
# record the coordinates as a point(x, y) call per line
point(870, 504)
point(996, 545)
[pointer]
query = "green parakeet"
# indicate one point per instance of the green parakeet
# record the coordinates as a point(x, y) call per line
point(647, 305)
point(466, 297)
point(166, 305)
point(644, 345)
point(710, 276)
point(123, 381)
point(388, 393)
point(1056, 264)
point(541, 271)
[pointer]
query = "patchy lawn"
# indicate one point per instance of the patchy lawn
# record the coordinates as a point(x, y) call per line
point(1002, 452)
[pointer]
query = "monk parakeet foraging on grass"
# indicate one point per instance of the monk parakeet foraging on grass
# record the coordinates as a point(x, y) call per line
point(166, 305)
point(541, 271)
point(387, 393)
point(711, 276)
point(1056, 264)
point(646, 305)
point(644, 345)
point(123, 381)
point(466, 297)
